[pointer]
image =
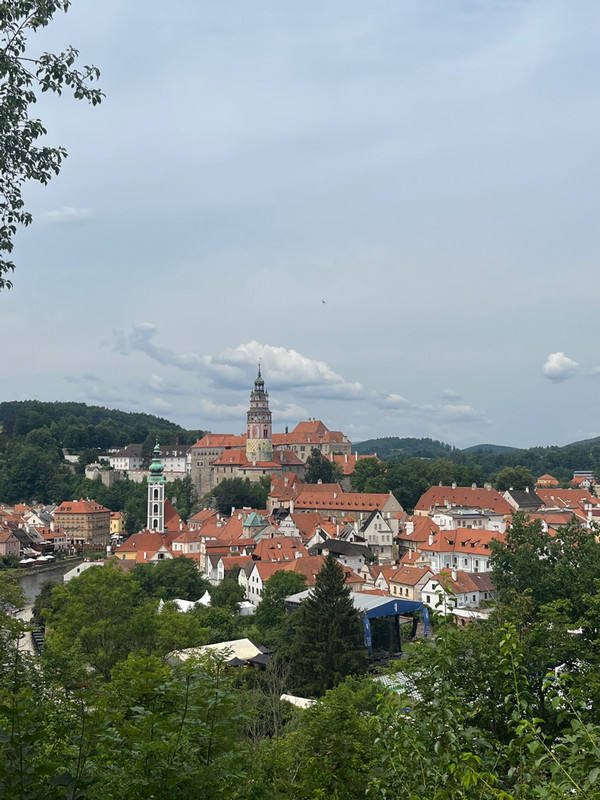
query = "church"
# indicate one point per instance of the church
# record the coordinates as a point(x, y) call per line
point(259, 451)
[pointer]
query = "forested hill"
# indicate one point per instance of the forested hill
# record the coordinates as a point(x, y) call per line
point(559, 461)
point(77, 426)
point(391, 448)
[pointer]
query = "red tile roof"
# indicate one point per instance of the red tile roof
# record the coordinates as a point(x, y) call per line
point(463, 496)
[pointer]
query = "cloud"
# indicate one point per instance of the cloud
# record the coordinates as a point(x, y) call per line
point(88, 377)
point(449, 394)
point(461, 413)
point(67, 215)
point(156, 383)
point(236, 367)
point(220, 411)
point(160, 405)
point(291, 411)
point(139, 339)
point(559, 367)
point(394, 402)
point(283, 369)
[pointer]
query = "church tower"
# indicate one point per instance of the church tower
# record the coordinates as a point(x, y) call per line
point(156, 494)
point(259, 444)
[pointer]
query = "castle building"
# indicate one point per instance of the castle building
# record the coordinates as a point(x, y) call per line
point(259, 442)
point(259, 452)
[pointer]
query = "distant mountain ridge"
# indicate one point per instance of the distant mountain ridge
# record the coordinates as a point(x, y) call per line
point(492, 448)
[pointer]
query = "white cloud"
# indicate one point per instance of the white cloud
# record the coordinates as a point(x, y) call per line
point(449, 394)
point(283, 368)
point(160, 405)
point(67, 215)
point(452, 412)
point(559, 367)
point(220, 411)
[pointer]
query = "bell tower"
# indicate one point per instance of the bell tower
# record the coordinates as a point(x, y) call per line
point(259, 442)
point(156, 494)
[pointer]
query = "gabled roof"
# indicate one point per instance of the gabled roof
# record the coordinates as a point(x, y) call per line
point(342, 501)
point(462, 540)
point(462, 496)
point(410, 576)
point(81, 507)
point(280, 548)
point(567, 498)
point(216, 440)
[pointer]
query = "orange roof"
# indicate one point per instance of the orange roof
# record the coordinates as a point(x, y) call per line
point(567, 498)
point(462, 540)
point(346, 501)
point(225, 440)
point(280, 548)
point(463, 496)
point(423, 526)
point(409, 576)
point(347, 462)
point(204, 515)
point(81, 507)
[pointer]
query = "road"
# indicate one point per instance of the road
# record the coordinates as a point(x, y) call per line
point(26, 641)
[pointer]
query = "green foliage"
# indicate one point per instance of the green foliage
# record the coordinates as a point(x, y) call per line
point(22, 77)
point(270, 613)
point(170, 579)
point(514, 478)
point(320, 468)
point(228, 595)
point(241, 493)
point(328, 642)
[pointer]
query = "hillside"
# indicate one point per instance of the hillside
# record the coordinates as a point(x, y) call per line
point(491, 448)
point(76, 426)
point(393, 448)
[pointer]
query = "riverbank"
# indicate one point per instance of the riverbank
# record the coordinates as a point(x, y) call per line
point(18, 571)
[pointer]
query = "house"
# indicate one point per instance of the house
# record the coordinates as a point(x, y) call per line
point(378, 533)
point(9, 543)
point(85, 522)
point(440, 498)
point(309, 566)
point(523, 500)
point(546, 482)
point(129, 458)
point(475, 518)
point(338, 505)
point(456, 589)
point(347, 554)
point(408, 582)
point(463, 549)
point(79, 568)
point(146, 546)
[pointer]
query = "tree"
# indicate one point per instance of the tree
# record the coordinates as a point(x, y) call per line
point(321, 469)
point(329, 639)
point(22, 75)
point(271, 609)
point(228, 594)
point(514, 478)
point(240, 493)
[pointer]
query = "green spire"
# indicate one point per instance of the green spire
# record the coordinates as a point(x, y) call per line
point(156, 467)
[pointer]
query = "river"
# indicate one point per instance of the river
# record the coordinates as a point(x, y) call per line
point(31, 584)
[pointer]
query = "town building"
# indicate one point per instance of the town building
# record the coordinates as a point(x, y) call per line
point(259, 452)
point(84, 522)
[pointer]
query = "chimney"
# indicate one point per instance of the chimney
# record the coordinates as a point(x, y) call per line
point(410, 555)
point(345, 458)
point(232, 511)
point(454, 484)
point(527, 489)
point(285, 480)
point(473, 486)
point(291, 506)
point(52, 526)
point(454, 574)
point(430, 539)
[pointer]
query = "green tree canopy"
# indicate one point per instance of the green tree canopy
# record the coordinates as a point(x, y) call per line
point(328, 642)
point(23, 74)
point(514, 478)
point(320, 468)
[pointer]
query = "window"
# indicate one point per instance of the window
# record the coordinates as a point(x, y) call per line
point(427, 598)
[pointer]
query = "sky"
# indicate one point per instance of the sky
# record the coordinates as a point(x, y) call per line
point(394, 205)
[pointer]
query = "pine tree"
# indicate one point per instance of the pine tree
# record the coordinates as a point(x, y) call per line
point(329, 640)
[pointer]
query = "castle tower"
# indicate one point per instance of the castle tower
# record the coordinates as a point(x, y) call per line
point(156, 494)
point(259, 443)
